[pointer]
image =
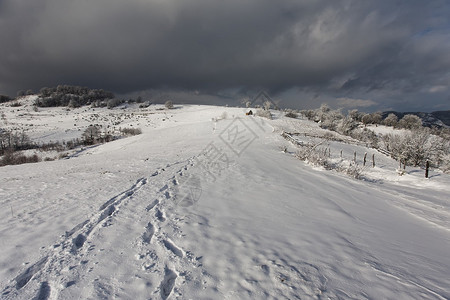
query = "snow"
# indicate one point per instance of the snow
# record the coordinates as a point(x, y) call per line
point(384, 130)
point(202, 207)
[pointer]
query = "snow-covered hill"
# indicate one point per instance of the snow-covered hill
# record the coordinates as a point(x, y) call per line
point(206, 205)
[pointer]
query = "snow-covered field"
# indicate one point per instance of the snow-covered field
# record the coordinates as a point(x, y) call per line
point(206, 205)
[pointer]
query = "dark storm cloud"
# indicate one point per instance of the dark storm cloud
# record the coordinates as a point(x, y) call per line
point(345, 49)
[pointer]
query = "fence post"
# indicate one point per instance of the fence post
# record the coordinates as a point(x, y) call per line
point(427, 167)
point(354, 157)
point(365, 157)
point(373, 160)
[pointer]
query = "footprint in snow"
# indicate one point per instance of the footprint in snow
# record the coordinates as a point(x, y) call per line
point(168, 283)
point(160, 215)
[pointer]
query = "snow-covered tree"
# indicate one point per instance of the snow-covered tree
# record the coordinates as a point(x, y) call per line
point(347, 125)
point(267, 105)
point(366, 119)
point(355, 115)
point(415, 147)
point(410, 122)
point(330, 119)
point(391, 120)
point(263, 113)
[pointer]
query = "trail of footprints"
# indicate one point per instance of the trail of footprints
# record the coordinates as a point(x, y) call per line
point(154, 237)
point(66, 251)
point(67, 254)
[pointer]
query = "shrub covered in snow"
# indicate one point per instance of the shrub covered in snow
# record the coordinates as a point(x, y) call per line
point(416, 147)
point(13, 158)
point(14, 141)
point(291, 114)
point(168, 104)
point(410, 122)
point(391, 120)
point(131, 131)
point(317, 155)
point(264, 113)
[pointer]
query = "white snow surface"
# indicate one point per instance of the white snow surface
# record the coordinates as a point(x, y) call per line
point(205, 205)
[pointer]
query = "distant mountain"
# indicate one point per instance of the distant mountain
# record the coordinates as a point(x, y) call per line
point(444, 116)
point(433, 119)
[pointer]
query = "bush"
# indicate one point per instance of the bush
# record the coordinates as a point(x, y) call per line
point(168, 104)
point(12, 158)
point(15, 104)
point(264, 113)
point(291, 114)
point(4, 98)
point(130, 131)
point(446, 164)
point(317, 156)
point(309, 114)
point(73, 103)
point(354, 170)
point(314, 156)
point(347, 125)
point(355, 115)
point(113, 103)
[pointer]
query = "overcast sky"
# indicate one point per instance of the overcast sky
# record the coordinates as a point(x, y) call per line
point(370, 55)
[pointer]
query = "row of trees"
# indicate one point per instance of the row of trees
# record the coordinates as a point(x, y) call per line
point(4, 98)
point(413, 147)
point(73, 96)
point(10, 143)
point(14, 141)
point(416, 147)
point(329, 118)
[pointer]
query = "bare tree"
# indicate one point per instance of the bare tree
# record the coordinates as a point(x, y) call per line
point(91, 134)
